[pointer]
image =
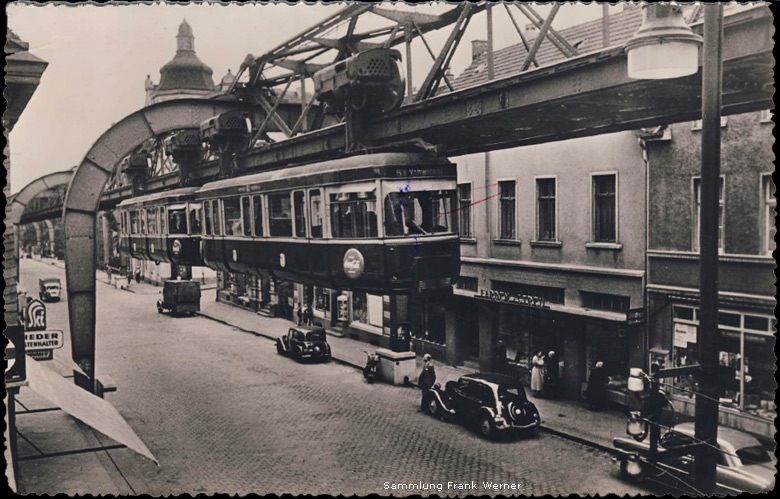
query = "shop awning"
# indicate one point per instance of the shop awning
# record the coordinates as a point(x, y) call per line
point(87, 408)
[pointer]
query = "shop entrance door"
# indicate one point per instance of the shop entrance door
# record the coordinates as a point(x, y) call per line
point(468, 333)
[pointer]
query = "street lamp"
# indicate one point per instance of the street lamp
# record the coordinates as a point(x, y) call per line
point(664, 46)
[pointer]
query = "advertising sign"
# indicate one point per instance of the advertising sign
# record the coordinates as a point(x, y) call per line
point(40, 342)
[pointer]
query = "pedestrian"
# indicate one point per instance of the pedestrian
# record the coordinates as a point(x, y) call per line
point(427, 379)
point(308, 315)
point(597, 388)
point(500, 363)
point(552, 375)
point(138, 275)
point(537, 374)
point(299, 313)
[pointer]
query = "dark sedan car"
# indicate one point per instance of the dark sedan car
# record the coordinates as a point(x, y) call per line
point(304, 343)
point(494, 402)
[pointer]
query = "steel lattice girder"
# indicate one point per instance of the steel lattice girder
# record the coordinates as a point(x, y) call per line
point(576, 98)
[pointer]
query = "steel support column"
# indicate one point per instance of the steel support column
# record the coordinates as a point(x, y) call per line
point(706, 413)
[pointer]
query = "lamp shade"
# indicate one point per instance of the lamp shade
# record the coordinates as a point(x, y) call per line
point(664, 46)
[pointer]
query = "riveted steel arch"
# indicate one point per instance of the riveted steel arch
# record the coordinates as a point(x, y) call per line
point(38, 186)
point(80, 208)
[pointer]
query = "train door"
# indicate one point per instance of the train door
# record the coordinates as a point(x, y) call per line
point(318, 249)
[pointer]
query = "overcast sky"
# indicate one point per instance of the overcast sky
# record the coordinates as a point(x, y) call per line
point(99, 57)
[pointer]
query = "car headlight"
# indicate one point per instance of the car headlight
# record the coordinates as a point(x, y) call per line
point(500, 421)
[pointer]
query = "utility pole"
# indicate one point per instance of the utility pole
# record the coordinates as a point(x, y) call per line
point(706, 426)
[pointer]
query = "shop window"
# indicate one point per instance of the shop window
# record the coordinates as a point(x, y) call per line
point(195, 217)
point(411, 213)
point(257, 209)
point(507, 209)
point(280, 214)
point(697, 213)
point(315, 213)
point(606, 302)
point(769, 194)
point(546, 207)
point(207, 217)
point(464, 211)
point(353, 215)
point(177, 220)
point(468, 283)
point(246, 215)
point(321, 299)
point(546, 293)
point(685, 313)
point(299, 203)
point(367, 309)
point(605, 208)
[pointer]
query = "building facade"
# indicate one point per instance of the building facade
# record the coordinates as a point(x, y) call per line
point(745, 270)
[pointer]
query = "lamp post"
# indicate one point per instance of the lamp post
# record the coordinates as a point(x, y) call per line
point(665, 47)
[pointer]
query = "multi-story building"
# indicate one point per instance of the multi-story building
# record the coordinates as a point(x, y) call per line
point(746, 233)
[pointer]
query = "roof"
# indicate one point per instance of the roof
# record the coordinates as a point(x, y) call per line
point(185, 71)
point(181, 192)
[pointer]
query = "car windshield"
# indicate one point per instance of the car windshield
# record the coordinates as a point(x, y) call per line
point(753, 455)
point(52, 287)
point(315, 336)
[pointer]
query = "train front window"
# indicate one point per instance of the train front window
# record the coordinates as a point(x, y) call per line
point(151, 220)
point(257, 202)
point(177, 220)
point(163, 229)
point(410, 213)
point(195, 217)
point(353, 215)
point(232, 207)
point(216, 220)
point(246, 213)
point(280, 214)
point(207, 217)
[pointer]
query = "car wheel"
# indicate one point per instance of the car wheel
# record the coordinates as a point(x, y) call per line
point(433, 406)
point(159, 309)
point(279, 349)
point(486, 427)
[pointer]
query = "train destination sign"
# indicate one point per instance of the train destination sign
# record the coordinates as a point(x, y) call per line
point(515, 299)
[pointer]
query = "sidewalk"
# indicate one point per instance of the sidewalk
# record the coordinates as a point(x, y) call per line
point(567, 418)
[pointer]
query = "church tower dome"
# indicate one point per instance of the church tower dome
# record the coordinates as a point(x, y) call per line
point(185, 71)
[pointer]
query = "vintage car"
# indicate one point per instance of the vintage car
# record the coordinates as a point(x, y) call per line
point(744, 465)
point(180, 297)
point(304, 342)
point(494, 402)
point(49, 289)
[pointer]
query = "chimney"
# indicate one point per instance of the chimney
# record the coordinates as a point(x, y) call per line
point(478, 47)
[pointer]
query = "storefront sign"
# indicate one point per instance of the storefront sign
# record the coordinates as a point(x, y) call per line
point(635, 316)
point(354, 264)
point(43, 340)
point(504, 297)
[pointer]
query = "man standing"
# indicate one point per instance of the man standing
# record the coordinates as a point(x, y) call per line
point(427, 379)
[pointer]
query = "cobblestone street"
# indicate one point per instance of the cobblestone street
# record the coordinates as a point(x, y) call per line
point(222, 412)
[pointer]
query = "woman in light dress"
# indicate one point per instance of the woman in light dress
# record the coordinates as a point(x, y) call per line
point(537, 373)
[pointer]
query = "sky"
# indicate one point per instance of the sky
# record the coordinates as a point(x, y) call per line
point(99, 56)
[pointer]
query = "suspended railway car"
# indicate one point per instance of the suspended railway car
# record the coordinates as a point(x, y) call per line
point(381, 223)
point(162, 227)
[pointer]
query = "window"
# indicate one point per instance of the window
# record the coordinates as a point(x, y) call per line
point(177, 219)
point(216, 219)
point(134, 222)
point(142, 217)
point(467, 283)
point(151, 220)
point(546, 229)
point(605, 208)
point(232, 210)
point(769, 193)
point(280, 214)
point(464, 211)
point(696, 125)
point(603, 301)
point(353, 214)
point(410, 213)
point(195, 216)
point(163, 229)
point(207, 217)
point(257, 202)
point(299, 202)
point(246, 215)
point(697, 218)
point(315, 213)
point(506, 207)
